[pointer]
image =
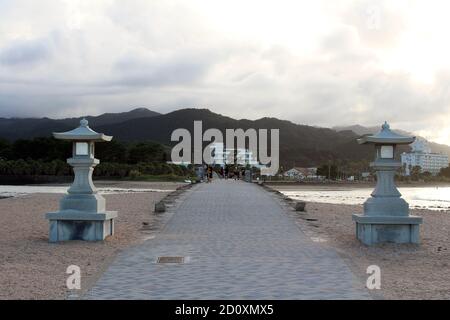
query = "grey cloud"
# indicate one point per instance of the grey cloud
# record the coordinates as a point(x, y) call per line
point(165, 57)
point(35, 105)
point(176, 70)
point(25, 52)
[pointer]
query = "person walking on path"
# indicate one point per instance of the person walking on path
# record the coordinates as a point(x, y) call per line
point(209, 174)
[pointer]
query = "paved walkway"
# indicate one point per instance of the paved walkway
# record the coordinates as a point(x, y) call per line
point(238, 244)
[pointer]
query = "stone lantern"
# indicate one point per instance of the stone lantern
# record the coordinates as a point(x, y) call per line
point(82, 214)
point(386, 215)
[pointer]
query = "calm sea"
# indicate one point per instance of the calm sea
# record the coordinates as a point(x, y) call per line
point(14, 191)
point(433, 198)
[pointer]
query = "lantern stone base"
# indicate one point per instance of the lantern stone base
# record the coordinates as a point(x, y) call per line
point(386, 207)
point(77, 225)
point(378, 229)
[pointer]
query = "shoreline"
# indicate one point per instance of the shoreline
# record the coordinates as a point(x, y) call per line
point(434, 198)
point(103, 188)
point(353, 185)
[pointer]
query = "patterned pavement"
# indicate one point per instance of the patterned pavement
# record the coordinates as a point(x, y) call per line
point(238, 243)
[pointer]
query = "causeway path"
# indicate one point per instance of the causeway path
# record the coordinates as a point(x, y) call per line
point(238, 243)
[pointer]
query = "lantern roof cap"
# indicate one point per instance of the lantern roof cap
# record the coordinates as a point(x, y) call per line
point(82, 133)
point(386, 136)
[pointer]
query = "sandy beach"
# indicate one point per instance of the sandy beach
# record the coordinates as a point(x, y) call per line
point(32, 268)
point(407, 271)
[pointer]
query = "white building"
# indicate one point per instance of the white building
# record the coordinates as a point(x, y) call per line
point(301, 173)
point(242, 156)
point(422, 156)
point(245, 157)
point(219, 156)
point(218, 153)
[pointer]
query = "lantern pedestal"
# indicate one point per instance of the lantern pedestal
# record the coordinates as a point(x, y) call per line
point(82, 214)
point(373, 230)
point(386, 215)
point(78, 225)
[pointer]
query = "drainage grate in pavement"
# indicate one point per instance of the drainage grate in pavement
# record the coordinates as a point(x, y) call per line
point(170, 260)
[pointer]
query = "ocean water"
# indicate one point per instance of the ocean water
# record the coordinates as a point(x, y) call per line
point(15, 191)
point(432, 198)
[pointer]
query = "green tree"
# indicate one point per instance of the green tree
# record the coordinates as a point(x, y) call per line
point(146, 152)
point(328, 170)
point(5, 149)
point(113, 151)
point(415, 172)
point(445, 172)
point(46, 149)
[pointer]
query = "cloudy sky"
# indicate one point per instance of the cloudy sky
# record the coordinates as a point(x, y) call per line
point(320, 63)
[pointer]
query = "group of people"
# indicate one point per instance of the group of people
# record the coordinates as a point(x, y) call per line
point(226, 173)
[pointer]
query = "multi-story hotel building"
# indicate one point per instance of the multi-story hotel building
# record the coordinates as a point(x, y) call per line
point(422, 156)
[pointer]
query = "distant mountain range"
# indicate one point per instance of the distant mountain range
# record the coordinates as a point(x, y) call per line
point(300, 145)
point(361, 130)
point(25, 128)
